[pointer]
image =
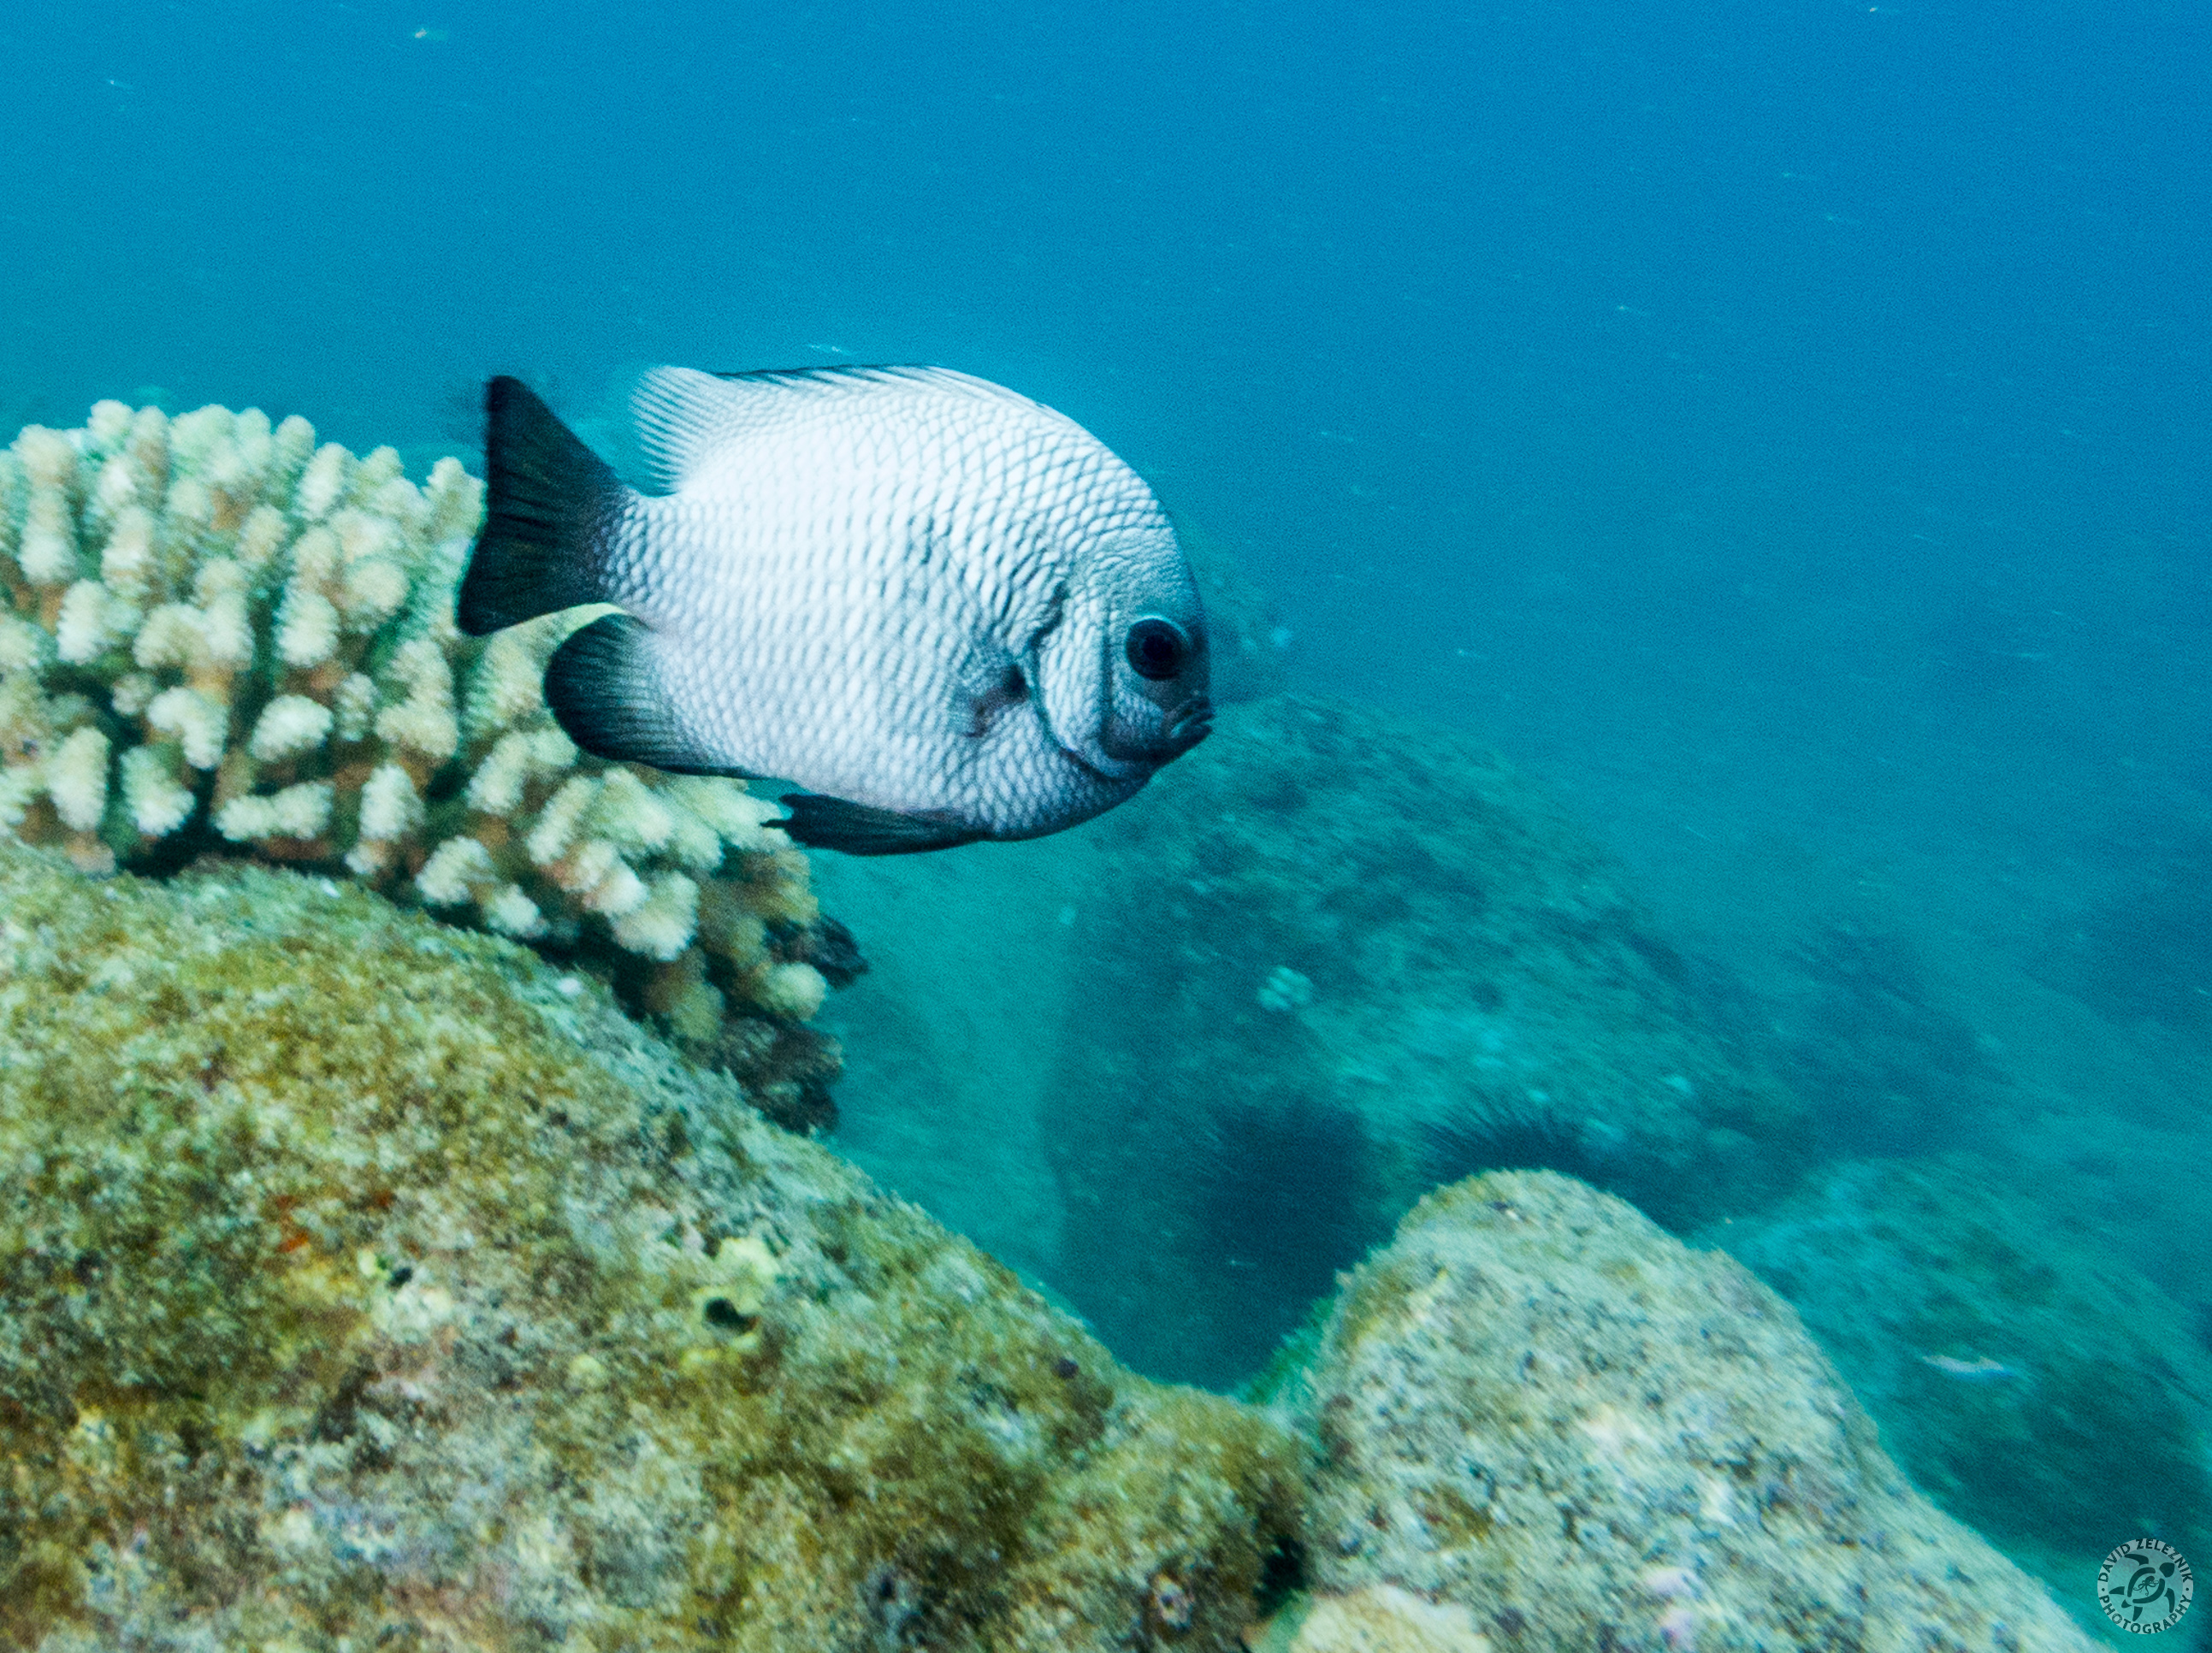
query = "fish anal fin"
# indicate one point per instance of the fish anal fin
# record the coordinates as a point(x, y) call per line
point(548, 504)
point(821, 822)
point(606, 689)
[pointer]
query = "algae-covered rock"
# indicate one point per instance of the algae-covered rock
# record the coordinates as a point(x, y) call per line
point(2035, 1385)
point(1537, 1406)
point(368, 1284)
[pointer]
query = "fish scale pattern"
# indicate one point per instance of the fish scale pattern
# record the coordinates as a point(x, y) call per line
point(903, 532)
point(218, 635)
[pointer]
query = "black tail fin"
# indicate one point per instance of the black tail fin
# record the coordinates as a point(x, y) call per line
point(549, 501)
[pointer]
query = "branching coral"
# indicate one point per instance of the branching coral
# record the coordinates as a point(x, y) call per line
point(216, 636)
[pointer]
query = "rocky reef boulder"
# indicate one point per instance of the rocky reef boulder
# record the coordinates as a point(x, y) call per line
point(2036, 1385)
point(367, 1283)
point(1185, 1064)
point(1538, 1411)
point(1348, 957)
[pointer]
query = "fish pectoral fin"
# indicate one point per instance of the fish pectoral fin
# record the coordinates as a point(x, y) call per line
point(548, 502)
point(606, 689)
point(826, 823)
point(1012, 689)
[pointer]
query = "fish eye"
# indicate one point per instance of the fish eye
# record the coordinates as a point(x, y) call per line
point(1158, 648)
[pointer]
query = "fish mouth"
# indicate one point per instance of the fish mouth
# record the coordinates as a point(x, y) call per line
point(1187, 725)
point(1191, 722)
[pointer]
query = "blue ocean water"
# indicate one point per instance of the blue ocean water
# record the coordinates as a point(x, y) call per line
point(1783, 428)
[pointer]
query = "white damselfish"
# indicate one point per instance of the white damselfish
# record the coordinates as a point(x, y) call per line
point(948, 612)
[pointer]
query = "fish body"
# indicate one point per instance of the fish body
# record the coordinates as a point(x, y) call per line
point(946, 611)
point(1982, 1370)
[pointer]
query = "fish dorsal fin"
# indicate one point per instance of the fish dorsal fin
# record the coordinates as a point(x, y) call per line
point(861, 377)
point(684, 414)
point(605, 689)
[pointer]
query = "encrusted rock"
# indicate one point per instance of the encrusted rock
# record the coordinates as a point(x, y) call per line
point(368, 1284)
point(2038, 1387)
point(1536, 1406)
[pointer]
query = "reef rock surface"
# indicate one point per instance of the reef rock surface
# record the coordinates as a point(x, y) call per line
point(2037, 1386)
point(1537, 1407)
point(368, 1284)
